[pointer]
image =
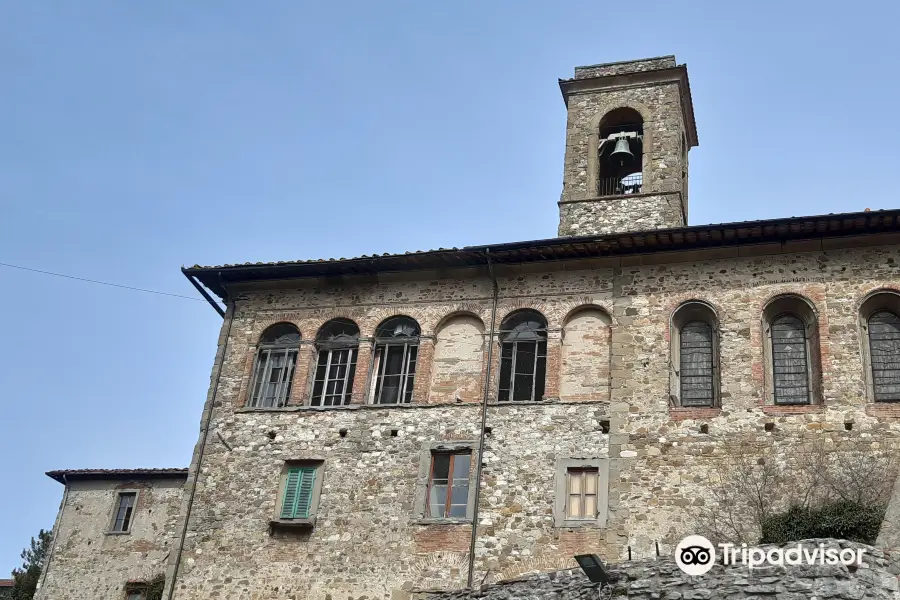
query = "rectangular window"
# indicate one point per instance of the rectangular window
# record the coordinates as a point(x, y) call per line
point(299, 498)
point(523, 366)
point(135, 594)
point(395, 369)
point(124, 512)
point(581, 488)
point(272, 377)
point(333, 384)
point(448, 485)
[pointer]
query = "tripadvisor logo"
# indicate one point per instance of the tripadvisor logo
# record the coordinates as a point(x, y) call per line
point(696, 555)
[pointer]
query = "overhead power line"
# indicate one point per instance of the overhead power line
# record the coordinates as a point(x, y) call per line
point(124, 287)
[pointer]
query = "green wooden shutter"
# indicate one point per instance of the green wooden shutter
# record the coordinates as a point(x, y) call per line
point(298, 492)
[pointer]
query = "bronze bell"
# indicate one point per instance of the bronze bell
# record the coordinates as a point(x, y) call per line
point(621, 154)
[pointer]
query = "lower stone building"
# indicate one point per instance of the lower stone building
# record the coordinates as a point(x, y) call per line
point(387, 424)
point(113, 534)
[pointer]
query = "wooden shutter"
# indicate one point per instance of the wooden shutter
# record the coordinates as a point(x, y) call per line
point(298, 493)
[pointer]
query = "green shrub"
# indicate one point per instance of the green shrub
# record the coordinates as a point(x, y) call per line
point(840, 519)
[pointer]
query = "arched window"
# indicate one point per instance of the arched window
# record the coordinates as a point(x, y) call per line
point(790, 364)
point(274, 368)
point(396, 349)
point(523, 356)
point(337, 343)
point(695, 355)
point(884, 350)
point(793, 354)
point(881, 345)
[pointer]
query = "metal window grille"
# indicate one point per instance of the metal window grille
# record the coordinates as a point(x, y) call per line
point(884, 354)
point(696, 364)
point(790, 360)
point(272, 377)
point(298, 493)
point(333, 383)
point(617, 186)
point(124, 511)
point(448, 485)
point(581, 493)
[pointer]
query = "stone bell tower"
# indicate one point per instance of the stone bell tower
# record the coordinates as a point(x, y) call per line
point(630, 126)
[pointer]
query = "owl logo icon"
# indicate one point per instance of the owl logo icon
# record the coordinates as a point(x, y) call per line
point(695, 555)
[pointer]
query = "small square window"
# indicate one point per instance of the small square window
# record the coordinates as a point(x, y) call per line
point(298, 497)
point(124, 512)
point(135, 594)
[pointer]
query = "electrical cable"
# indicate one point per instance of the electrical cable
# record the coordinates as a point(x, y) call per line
point(125, 287)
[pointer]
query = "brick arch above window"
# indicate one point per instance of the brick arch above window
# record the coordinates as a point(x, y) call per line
point(571, 309)
point(506, 310)
point(260, 326)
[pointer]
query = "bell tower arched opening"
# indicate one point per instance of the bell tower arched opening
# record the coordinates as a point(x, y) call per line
point(621, 153)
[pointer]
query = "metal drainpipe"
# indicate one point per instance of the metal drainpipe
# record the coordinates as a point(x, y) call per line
point(56, 528)
point(203, 436)
point(484, 406)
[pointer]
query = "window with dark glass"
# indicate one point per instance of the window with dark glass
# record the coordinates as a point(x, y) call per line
point(884, 354)
point(696, 364)
point(523, 357)
point(790, 360)
point(337, 343)
point(394, 360)
point(448, 485)
point(274, 369)
point(124, 512)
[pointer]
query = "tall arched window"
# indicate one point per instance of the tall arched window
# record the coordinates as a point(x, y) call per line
point(793, 356)
point(880, 320)
point(394, 361)
point(523, 356)
point(274, 367)
point(790, 360)
point(337, 343)
point(695, 355)
point(884, 352)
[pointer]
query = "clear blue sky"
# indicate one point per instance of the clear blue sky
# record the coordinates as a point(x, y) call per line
point(136, 137)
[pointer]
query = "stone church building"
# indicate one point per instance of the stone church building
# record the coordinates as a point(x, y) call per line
point(561, 396)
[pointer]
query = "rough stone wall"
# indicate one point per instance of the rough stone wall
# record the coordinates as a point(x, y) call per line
point(615, 214)
point(619, 68)
point(87, 562)
point(651, 579)
point(659, 455)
